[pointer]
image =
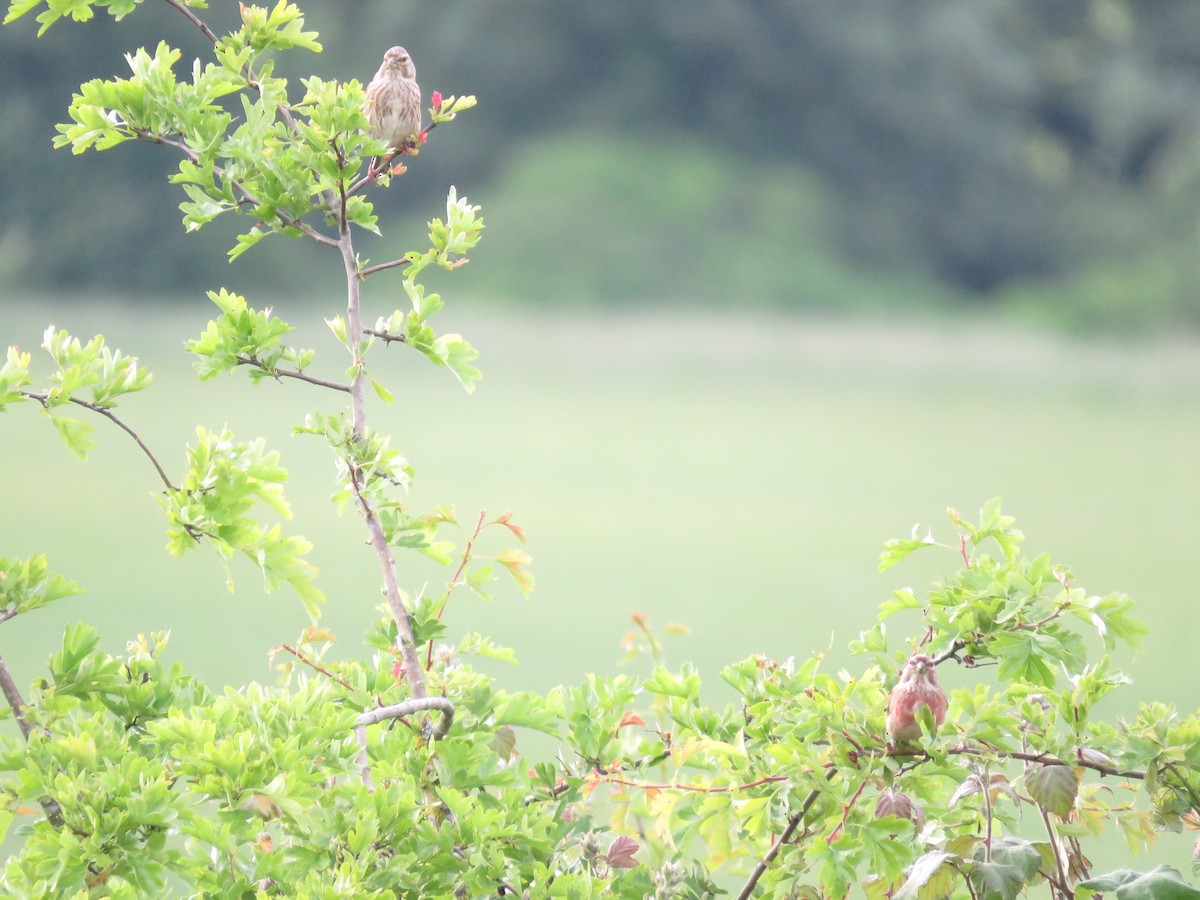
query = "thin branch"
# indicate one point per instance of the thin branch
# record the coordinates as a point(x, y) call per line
point(407, 708)
point(316, 666)
point(151, 138)
point(364, 761)
point(1046, 759)
point(108, 414)
point(987, 811)
point(466, 558)
point(50, 806)
point(247, 197)
point(794, 821)
point(386, 336)
point(694, 788)
point(832, 836)
point(410, 663)
point(1061, 881)
point(193, 18)
point(379, 267)
point(15, 701)
point(396, 711)
point(373, 173)
point(293, 373)
point(1043, 758)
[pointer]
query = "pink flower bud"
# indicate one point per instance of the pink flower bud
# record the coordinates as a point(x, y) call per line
point(436, 99)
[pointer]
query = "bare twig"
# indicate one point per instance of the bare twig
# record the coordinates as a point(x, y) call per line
point(193, 18)
point(379, 267)
point(694, 788)
point(12, 694)
point(385, 336)
point(108, 414)
point(987, 812)
point(1043, 758)
point(832, 836)
point(466, 558)
point(316, 666)
point(409, 662)
point(1061, 881)
point(293, 373)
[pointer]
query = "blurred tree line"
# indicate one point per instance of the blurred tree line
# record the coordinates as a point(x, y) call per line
point(824, 154)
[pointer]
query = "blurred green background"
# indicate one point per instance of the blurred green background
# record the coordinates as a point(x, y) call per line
point(761, 288)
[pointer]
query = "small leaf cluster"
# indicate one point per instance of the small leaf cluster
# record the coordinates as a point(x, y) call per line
point(89, 375)
point(242, 336)
point(224, 480)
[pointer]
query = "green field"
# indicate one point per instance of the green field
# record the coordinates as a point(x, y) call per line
point(736, 474)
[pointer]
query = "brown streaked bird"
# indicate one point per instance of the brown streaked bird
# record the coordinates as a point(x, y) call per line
point(393, 104)
point(918, 687)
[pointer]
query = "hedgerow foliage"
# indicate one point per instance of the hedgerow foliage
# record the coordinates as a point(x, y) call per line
point(399, 769)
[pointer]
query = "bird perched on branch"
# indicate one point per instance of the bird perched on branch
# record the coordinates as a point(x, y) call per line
point(918, 687)
point(393, 104)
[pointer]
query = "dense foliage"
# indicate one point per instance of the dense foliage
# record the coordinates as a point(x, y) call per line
point(402, 770)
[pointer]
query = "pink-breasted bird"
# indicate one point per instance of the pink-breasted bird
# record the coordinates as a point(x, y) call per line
point(918, 687)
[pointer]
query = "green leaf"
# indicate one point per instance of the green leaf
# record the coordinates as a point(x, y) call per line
point(75, 434)
point(1024, 856)
point(478, 645)
point(1162, 883)
point(1054, 788)
point(931, 877)
point(27, 584)
point(383, 392)
point(1027, 655)
point(526, 709)
point(14, 375)
point(459, 355)
point(896, 550)
point(18, 8)
point(996, 881)
point(685, 685)
point(515, 561)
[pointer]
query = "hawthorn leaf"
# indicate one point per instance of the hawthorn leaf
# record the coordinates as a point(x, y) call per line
point(1054, 788)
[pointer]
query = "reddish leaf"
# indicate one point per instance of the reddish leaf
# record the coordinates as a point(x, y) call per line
point(517, 530)
point(630, 718)
point(620, 854)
